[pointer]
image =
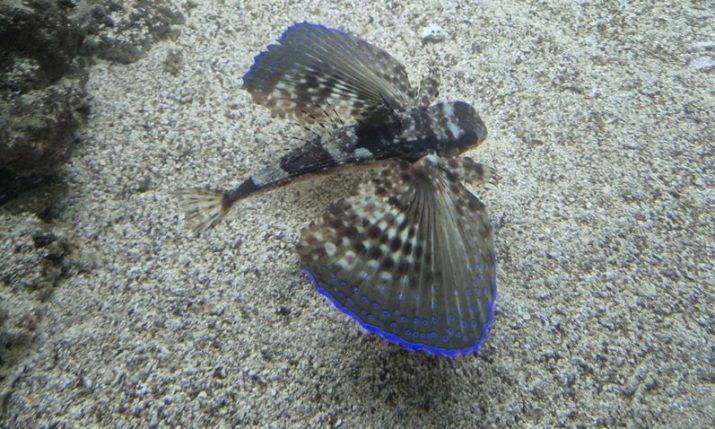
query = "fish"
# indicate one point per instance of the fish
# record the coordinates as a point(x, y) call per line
point(410, 256)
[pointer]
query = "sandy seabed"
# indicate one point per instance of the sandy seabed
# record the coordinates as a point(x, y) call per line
point(600, 125)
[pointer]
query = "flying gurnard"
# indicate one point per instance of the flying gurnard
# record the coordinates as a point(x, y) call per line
point(410, 256)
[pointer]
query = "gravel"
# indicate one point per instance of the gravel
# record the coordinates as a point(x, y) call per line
point(600, 129)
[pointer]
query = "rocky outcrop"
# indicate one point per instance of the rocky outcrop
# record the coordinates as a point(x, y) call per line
point(45, 47)
point(35, 255)
point(42, 95)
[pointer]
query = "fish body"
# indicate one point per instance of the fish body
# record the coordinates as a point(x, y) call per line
point(444, 128)
point(410, 256)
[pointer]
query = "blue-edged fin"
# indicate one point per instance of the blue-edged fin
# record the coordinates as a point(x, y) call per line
point(314, 69)
point(410, 257)
point(203, 208)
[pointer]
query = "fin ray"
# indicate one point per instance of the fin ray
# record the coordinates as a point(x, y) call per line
point(314, 67)
point(414, 221)
point(203, 208)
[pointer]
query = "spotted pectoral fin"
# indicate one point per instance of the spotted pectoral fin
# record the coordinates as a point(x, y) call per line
point(410, 257)
point(465, 169)
point(314, 72)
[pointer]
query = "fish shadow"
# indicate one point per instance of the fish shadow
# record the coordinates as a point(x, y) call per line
point(399, 387)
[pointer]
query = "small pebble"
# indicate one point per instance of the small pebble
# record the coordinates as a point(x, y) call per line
point(704, 46)
point(702, 63)
point(433, 34)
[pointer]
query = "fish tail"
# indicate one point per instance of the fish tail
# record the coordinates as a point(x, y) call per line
point(203, 208)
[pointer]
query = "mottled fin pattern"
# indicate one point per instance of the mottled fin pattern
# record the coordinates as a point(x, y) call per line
point(466, 170)
point(429, 89)
point(410, 257)
point(203, 208)
point(321, 127)
point(314, 68)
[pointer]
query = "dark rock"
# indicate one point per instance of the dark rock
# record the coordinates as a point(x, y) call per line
point(42, 95)
point(91, 18)
point(35, 255)
point(44, 49)
point(118, 51)
point(37, 198)
point(134, 28)
point(39, 31)
point(37, 127)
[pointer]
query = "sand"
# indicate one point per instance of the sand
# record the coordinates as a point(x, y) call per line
point(600, 118)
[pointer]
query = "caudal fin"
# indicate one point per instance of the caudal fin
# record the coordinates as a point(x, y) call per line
point(203, 208)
